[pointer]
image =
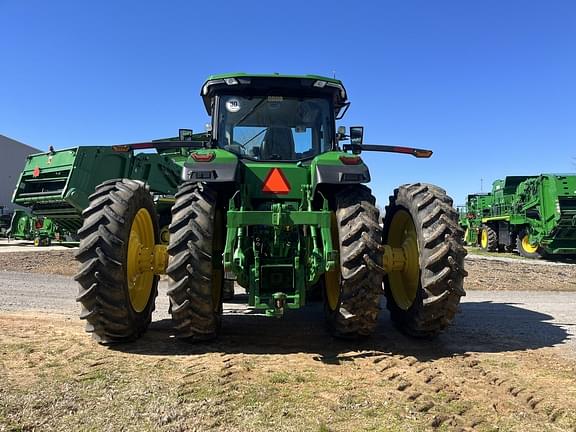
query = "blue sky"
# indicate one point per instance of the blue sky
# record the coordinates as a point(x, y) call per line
point(490, 86)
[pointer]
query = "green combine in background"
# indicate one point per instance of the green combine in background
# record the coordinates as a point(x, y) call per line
point(274, 198)
point(534, 214)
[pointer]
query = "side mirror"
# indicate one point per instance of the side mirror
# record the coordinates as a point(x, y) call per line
point(356, 135)
point(184, 134)
point(341, 133)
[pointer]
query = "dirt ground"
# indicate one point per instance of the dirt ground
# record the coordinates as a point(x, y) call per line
point(262, 377)
point(53, 377)
point(59, 262)
point(486, 273)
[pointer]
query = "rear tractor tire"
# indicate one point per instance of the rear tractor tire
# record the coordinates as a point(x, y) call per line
point(488, 239)
point(526, 249)
point(353, 290)
point(197, 235)
point(423, 297)
point(116, 294)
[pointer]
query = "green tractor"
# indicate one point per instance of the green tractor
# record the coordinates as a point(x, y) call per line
point(272, 198)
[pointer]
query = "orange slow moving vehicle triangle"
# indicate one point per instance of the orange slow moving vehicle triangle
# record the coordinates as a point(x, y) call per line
point(276, 182)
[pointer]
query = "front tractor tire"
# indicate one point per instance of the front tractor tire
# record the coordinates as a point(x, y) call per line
point(423, 296)
point(197, 235)
point(488, 239)
point(526, 249)
point(353, 290)
point(118, 286)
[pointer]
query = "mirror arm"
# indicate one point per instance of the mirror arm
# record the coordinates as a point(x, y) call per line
point(419, 153)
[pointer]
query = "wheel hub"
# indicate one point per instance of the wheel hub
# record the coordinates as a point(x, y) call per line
point(144, 260)
point(527, 246)
point(484, 239)
point(401, 259)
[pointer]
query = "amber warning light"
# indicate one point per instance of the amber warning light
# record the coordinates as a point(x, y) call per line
point(276, 182)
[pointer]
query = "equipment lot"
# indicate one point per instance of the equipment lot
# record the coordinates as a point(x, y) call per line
point(508, 363)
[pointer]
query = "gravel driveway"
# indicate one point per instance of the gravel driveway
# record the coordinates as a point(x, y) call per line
point(489, 321)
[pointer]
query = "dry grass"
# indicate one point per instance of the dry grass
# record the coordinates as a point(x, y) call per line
point(53, 377)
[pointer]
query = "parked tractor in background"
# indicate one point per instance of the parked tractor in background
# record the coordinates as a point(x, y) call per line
point(534, 214)
point(41, 230)
point(275, 199)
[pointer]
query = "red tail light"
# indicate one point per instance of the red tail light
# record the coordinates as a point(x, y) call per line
point(203, 157)
point(351, 160)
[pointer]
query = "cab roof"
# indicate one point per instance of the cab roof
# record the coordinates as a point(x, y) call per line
point(241, 82)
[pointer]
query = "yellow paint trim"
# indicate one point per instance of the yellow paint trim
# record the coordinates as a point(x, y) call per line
point(495, 218)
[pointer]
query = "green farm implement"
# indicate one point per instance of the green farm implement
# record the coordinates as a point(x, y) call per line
point(535, 214)
point(272, 197)
point(56, 185)
point(42, 230)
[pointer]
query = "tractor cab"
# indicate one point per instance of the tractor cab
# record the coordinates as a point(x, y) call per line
point(274, 117)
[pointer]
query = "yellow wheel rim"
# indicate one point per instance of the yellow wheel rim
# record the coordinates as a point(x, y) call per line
point(466, 233)
point(484, 239)
point(527, 246)
point(404, 283)
point(139, 271)
point(332, 278)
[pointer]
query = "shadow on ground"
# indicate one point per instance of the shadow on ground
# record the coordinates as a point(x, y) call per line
point(480, 327)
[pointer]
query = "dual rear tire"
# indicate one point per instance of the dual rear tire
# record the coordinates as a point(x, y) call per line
point(117, 297)
point(353, 289)
point(120, 224)
point(196, 270)
point(423, 297)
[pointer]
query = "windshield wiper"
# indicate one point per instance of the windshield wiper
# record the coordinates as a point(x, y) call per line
point(254, 137)
point(250, 112)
